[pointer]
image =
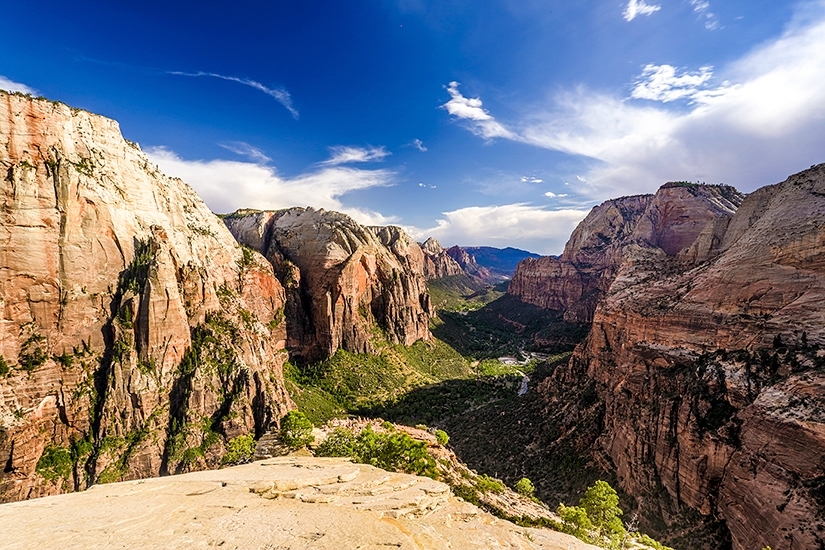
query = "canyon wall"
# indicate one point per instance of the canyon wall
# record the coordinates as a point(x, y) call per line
point(668, 221)
point(136, 337)
point(343, 281)
point(707, 349)
point(437, 263)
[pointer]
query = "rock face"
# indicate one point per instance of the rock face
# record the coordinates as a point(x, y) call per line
point(290, 503)
point(708, 358)
point(342, 279)
point(437, 263)
point(667, 222)
point(468, 263)
point(136, 337)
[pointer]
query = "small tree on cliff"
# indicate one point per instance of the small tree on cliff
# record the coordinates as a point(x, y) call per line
point(296, 430)
point(597, 518)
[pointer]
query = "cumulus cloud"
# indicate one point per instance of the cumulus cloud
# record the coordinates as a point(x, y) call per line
point(341, 154)
point(246, 150)
point(523, 225)
point(279, 94)
point(661, 83)
point(470, 109)
point(227, 185)
point(12, 86)
point(552, 195)
point(638, 7)
point(530, 179)
point(767, 125)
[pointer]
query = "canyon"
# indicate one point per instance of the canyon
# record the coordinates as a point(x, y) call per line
point(142, 335)
point(704, 352)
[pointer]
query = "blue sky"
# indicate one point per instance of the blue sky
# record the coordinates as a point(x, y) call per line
point(480, 123)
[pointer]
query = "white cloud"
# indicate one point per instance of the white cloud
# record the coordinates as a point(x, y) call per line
point(522, 225)
point(530, 179)
point(702, 7)
point(227, 185)
point(661, 83)
point(341, 154)
point(280, 94)
point(418, 144)
point(552, 195)
point(482, 124)
point(638, 7)
point(767, 126)
point(12, 86)
point(246, 150)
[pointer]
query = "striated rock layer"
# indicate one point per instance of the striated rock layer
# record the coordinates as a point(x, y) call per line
point(437, 263)
point(668, 222)
point(711, 370)
point(342, 279)
point(289, 503)
point(136, 337)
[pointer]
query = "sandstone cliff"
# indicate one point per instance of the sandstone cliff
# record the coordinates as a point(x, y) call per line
point(708, 360)
point(667, 222)
point(136, 336)
point(437, 263)
point(290, 503)
point(342, 280)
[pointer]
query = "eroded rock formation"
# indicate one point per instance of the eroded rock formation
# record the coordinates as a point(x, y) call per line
point(667, 222)
point(707, 354)
point(343, 280)
point(437, 263)
point(136, 336)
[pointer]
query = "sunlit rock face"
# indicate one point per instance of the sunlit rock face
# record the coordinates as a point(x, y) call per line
point(667, 222)
point(437, 263)
point(706, 350)
point(343, 281)
point(137, 336)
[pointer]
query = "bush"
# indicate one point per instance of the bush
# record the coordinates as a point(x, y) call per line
point(442, 437)
point(296, 430)
point(487, 484)
point(597, 518)
point(240, 450)
point(525, 487)
point(55, 463)
point(393, 451)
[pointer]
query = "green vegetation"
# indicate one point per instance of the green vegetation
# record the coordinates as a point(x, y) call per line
point(392, 450)
point(32, 354)
point(462, 293)
point(134, 277)
point(442, 437)
point(239, 450)
point(4, 367)
point(487, 484)
point(525, 487)
point(597, 520)
point(362, 383)
point(55, 463)
point(296, 430)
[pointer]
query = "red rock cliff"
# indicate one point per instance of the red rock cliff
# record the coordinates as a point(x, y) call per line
point(711, 368)
point(341, 279)
point(668, 221)
point(136, 337)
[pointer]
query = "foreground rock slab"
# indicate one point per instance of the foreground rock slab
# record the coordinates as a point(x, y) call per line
point(284, 503)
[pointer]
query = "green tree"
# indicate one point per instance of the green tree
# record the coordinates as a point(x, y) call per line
point(575, 522)
point(296, 430)
point(601, 502)
point(442, 437)
point(525, 487)
point(240, 450)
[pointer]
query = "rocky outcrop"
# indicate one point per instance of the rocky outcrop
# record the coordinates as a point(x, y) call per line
point(343, 280)
point(667, 222)
point(468, 263)
point(136, 337)
point(437, 263)
point(291, 502)
point(708, 359)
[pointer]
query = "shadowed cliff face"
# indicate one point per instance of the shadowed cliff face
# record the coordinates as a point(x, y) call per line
point(708, 356)
point(668, 222)
point(136, 336)
point(342, 280)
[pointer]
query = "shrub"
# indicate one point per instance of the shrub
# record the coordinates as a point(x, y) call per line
point(296, 430)
point(525, 487)
point(597, 517)
point(393, 451)
point(575, 522)
point(487, 484)
point(55, 463)
point(442, 437)
point(240, 450)
point(4, 367)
